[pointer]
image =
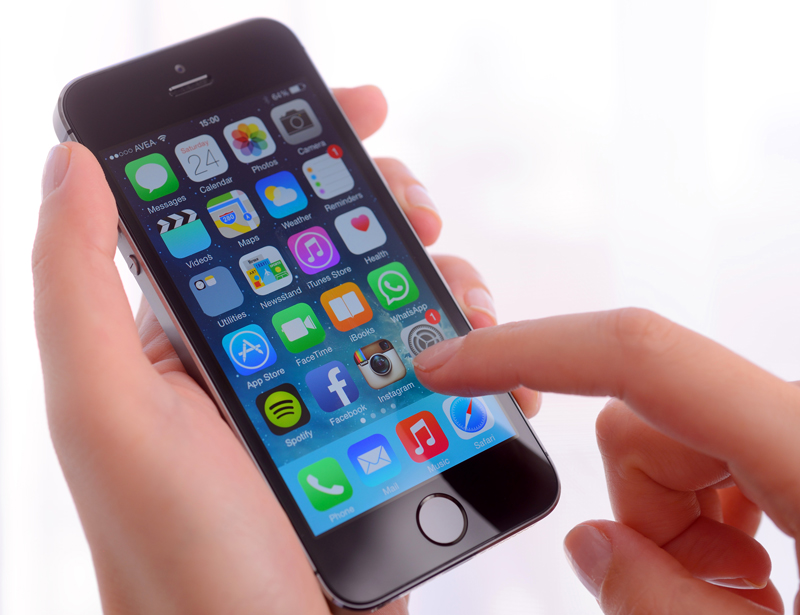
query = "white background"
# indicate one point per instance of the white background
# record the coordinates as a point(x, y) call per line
point(584, 154)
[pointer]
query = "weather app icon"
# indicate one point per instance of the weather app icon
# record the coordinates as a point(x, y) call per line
point(249, 349)
point(281, 194)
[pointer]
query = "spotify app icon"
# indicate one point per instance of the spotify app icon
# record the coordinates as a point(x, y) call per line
point(283, 409)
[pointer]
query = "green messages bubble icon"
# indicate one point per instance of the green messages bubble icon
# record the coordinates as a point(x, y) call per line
point(151, 177)
point(393, 286)
point(283, 409)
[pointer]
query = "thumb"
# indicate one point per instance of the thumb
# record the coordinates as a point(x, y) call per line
point(87, 338)
point(627, 574)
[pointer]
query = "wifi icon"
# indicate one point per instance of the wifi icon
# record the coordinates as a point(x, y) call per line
point(283, 409)
point(162, 138)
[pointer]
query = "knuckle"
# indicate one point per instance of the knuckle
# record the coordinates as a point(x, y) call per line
point(641, 333)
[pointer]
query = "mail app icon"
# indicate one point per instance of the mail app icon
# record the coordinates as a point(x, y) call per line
point(374, 460)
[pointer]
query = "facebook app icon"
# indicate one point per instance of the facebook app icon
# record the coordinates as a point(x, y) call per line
point(332, 386)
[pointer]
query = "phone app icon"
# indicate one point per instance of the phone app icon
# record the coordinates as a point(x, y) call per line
point(183, 233)
point(249, 349)
point(216, 291)
point(233, 214)
point(265, 270)
point(249, 139)
point(469, 416)
point(380, 364)
point(328, 175)
point(201, 158)
point(422, 436)
point(393, 286)
point(281, 194)
point(313, 250)
point(346, 306)
point(283, 409)
point(151, 177)
point(360, 230)
point(332, 386)
point(296, 121)
point(374, 460)
point(298, 328)
point(325, 484)
point(421, 335)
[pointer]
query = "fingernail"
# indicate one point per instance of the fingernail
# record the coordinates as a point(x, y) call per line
point(55, 168)
point(417, 196)
point(436, 356)
point(738, 583)
point(479, 299)
point(589, 554)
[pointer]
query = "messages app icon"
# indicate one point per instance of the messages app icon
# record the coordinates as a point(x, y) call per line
point(393, 286)
point(374, 460)
point(151, 177)
point(281, 194)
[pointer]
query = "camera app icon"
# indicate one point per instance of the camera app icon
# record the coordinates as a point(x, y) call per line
point(296, 121)
point(380, 364)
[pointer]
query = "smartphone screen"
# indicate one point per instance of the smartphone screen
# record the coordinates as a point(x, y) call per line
point(278, 246)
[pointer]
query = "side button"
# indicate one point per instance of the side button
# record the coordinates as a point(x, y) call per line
point(441, 519)
point(133, 264)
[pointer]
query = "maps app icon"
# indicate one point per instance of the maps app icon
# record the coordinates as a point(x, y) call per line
point(249, 349)
point(183, 233)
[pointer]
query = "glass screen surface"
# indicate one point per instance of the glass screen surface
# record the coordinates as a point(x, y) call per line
point(307, 297)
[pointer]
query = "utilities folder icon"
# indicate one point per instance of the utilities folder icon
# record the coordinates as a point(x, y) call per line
point(374, 460)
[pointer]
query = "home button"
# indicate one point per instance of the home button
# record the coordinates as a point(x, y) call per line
point(441, 519)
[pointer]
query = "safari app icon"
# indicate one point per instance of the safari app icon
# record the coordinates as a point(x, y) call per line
point(151, 177)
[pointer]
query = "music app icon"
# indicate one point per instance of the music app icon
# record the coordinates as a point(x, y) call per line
point(313, 250)
point(422, 437)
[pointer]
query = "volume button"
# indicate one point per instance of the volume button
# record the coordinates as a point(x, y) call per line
point(133, 264)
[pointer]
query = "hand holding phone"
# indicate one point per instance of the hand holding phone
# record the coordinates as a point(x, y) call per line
point(239, 240)
point(165, 469)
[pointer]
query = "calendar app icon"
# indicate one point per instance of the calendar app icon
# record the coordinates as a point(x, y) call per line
point(201, 158)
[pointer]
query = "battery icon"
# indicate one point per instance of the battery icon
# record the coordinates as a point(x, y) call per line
point(297, 88)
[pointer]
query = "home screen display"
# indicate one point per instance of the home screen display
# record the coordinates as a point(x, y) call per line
point(308, 298)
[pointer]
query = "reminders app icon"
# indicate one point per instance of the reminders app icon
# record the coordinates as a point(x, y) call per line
point(374, 460)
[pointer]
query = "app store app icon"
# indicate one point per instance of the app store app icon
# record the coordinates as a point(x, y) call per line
point(249, 349)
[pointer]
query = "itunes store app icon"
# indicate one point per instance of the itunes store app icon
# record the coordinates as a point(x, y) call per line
point(313, 250)
point(360, 230)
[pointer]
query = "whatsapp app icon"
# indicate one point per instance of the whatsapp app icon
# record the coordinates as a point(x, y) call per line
point(393, 286)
